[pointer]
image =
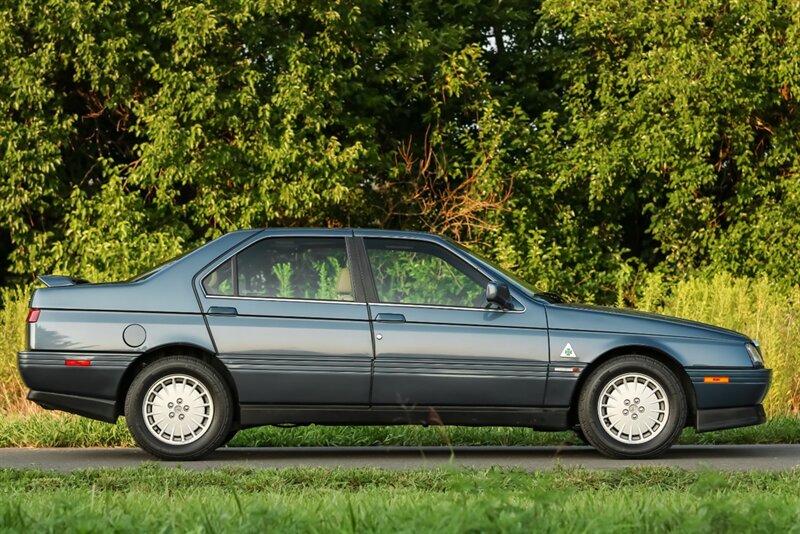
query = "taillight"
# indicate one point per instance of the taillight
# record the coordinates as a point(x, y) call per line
point(33, 315)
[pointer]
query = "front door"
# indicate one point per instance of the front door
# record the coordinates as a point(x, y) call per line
point(287, 322)
point(437, 343)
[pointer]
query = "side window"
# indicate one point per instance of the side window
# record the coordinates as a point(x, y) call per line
point(220, 281)
point(418, 272)
point(295, 268)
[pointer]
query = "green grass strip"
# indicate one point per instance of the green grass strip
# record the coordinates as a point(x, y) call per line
point(153, 499)
point(53, 430)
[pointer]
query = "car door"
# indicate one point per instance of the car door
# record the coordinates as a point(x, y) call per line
point(436, 342)
point(289, 323)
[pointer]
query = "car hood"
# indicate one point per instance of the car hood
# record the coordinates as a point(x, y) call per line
point(587, 317)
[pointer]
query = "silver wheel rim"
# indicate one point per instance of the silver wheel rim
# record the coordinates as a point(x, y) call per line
point(633, 408)
point(178, 409)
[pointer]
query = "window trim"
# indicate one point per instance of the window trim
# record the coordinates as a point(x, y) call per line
point(358, 293)
point(278, 299)
point(443, 307)
point(365, 270)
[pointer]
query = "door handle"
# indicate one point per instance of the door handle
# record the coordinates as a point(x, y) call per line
point(222, 310)
point(390, 318)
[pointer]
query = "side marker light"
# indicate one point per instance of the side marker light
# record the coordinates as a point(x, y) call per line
point(716, 379)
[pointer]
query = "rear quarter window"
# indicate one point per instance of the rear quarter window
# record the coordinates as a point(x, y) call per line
point(220, 281)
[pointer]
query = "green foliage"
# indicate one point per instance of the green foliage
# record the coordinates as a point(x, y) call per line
point(283, 272)
point(13, 311)
point(298, 272)
point(416, 278)
point(130, 132)
point(328, 272)
point(680, 125)
point(575, 145)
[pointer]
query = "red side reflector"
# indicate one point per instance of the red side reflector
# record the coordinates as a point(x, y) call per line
point(716, 379)
point(33, 315)
point(78, 363)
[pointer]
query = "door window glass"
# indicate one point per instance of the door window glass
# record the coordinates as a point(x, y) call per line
point(417, 272)
point(290, 268)
point(295, 268)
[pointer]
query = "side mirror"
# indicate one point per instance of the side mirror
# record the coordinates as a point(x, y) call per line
point(498, 293)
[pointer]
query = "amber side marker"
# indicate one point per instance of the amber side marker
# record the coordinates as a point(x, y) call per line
point(78, 363)
point(716, 379)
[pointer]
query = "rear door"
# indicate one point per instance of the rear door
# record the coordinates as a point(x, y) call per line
point(289, 322)
point(437, 343)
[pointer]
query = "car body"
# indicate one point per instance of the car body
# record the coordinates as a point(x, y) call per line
point(340, 327)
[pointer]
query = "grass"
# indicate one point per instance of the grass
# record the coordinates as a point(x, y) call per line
point(56, 430)
point(369, 500)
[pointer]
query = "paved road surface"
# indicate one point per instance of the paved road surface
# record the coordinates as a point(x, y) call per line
point(726, 457)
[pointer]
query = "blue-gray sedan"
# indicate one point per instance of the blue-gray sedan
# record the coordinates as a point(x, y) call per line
point(364, 327)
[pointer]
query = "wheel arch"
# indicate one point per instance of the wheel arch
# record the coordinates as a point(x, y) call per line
point(182, 349)
point(642, 350)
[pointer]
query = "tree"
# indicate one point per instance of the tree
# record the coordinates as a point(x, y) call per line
point(680, 121)
point(578, 145)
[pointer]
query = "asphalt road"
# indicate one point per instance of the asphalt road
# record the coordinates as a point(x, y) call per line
point(724, 457)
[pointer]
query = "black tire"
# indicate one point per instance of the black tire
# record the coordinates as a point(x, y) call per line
point(218, 424)
point(229, 437)
point(580, 435)
point(660, 438)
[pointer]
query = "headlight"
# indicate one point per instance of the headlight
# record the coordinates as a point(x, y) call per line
point(755, 353)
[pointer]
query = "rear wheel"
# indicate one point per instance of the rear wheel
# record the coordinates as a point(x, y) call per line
point(580, 435)
point(229, 437)
point(632, 407)
point(179, 408)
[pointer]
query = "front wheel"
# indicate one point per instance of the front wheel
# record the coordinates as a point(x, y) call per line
point(632, 407)
point(178, 408)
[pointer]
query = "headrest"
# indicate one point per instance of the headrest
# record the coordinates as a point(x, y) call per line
point(344, 286)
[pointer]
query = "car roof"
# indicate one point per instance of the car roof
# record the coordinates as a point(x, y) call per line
point(359, 232)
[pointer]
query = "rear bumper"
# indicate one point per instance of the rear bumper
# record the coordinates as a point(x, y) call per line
point(100, 409)
point(722, 418)
point(90, 390)
point(46, 371)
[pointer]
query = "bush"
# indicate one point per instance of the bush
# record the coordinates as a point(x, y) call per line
point(759, 308)
point(12, 339)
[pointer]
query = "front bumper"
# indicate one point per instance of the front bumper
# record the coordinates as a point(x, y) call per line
point(722, 418)
point(733, 404)
point(745, 387)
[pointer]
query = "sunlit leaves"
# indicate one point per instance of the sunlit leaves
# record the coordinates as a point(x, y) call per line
point(577, 144)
